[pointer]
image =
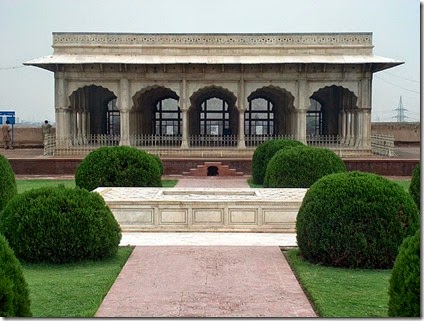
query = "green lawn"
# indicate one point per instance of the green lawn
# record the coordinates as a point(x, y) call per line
point(77, 290)
point(72, 290)
point(337, 292)
point(402, 182)
point(27, 184)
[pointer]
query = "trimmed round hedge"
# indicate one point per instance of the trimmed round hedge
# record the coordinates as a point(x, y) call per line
point(414, 187)
point(8, 188)
point(14, 296)
point(60, 225)
point(263, 154)
point(301, 166)
point(355, 220)
point(404, 288)
point(118, 166)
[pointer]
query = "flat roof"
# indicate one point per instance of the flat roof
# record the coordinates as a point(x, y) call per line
point(53, 60)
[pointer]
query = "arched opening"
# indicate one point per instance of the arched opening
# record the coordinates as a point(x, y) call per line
point(325, 111)
point(94, 111)
point(213, 117)
point(156, 112)
point(269, 114)
point(212, 171)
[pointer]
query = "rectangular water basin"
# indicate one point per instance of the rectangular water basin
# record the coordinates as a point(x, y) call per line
point(204, 209)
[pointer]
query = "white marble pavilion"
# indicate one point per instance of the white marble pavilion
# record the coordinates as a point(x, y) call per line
point(187, 90)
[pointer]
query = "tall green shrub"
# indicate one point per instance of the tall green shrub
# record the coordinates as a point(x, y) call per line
point(14, 296)
point(414, 187)
point(58, 225)
point(404, 288)
point(118, 166)
point(7, 182)
point(263, 154)
point(301, 166)
point(355, 220)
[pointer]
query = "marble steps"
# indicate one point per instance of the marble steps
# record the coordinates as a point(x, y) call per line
point(213, 169)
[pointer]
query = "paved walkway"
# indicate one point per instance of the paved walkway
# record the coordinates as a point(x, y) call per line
point(212, 181)
point(187, 281)
point(284, 240)
point(207, 274)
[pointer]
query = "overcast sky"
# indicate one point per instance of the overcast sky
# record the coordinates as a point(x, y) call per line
point(26, 28)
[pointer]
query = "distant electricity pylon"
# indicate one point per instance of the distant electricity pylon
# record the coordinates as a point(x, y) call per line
point(400, 117)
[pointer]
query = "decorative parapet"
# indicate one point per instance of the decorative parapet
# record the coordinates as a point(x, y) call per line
point(243, 40)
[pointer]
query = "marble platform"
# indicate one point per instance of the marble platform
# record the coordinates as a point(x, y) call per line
point(204, 209)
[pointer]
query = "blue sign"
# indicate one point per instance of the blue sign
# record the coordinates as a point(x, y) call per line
point(7, 115)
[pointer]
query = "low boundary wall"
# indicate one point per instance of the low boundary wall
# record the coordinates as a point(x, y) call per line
point(61, 166)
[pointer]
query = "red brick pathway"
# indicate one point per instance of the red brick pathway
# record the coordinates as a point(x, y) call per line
point(213, 181)
point(206, 281)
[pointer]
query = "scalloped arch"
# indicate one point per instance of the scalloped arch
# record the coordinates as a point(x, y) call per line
point(326, 88)
point(272, 89)
point(211, 91)
point(158, 88)
point(352, 87)
point(74, 86)
point(75, 91)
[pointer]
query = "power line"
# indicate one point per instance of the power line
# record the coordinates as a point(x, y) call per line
point(417, 92)
point(10, 68)
point(388, 73)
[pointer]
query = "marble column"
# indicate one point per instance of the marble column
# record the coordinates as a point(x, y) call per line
point(241, 108)
point(366, 136)
point(365, 107)
point(84, 126)
point(62, 126)
point(241, 138)
point(348, 136)
point(363, 126)
point(303, 105)
point(353, 122)
point(342, 128)
point(79, 126)
point(184, 141)
point(61, 111)
point(124, 111)
point(184, 113)
point(301, 125)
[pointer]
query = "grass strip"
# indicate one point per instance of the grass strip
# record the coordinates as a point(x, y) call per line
point(337, 292)
point(72, 290)
point(28, 184)
point(24, 185)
